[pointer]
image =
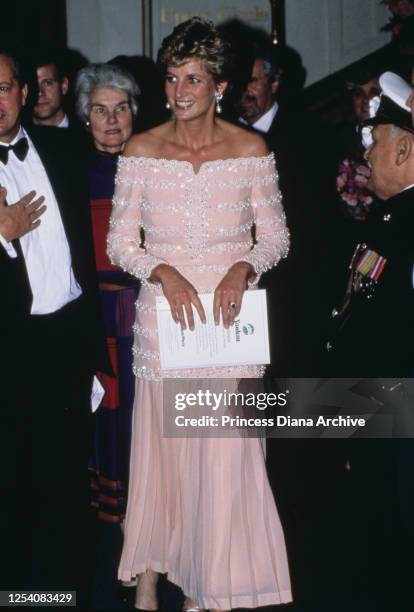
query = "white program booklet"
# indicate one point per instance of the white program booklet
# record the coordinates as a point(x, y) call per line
point(244, 343)
point(97, 394)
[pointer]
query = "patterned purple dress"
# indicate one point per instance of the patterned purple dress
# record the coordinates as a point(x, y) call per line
point(109, 465)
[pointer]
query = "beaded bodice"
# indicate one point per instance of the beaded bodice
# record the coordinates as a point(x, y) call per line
point(201, 223)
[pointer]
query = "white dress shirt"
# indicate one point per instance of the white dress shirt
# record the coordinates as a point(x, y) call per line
point(46, 250)
point(64, 123)
point(263, 124)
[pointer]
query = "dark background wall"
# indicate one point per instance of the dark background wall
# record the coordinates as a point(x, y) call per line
point(32, 23)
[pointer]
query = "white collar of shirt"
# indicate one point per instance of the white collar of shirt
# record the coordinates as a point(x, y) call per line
point(263, 124)
point(64, 123)
point(20, 134)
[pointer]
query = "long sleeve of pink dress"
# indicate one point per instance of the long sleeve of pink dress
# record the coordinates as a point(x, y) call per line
point(199, 509)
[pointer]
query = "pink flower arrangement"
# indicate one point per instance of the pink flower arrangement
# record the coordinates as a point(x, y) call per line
point(364, 170)
point(351, 184)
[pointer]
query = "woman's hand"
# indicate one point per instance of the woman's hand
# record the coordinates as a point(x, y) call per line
point(228, 295)
point(180, 294)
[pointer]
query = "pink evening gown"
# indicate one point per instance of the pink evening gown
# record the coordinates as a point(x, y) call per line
point(199, 509)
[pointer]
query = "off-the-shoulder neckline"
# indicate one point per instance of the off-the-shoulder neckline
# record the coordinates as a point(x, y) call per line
point(164, 161)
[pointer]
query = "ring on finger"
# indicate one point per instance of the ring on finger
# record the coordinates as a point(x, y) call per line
point(232, 305)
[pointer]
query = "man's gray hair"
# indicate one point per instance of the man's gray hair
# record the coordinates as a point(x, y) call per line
point(271, 70)
point(96, 76)
point(396, 132)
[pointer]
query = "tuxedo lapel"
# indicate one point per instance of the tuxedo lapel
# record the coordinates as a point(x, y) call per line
point(282, 133)
point(276, 123)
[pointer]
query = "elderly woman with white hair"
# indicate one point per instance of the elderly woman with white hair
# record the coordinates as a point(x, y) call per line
point(106, 101)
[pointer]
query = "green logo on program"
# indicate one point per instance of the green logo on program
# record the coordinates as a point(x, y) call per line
point(248, 329)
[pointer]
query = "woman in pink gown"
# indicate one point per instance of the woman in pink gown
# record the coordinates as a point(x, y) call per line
point(199, 509)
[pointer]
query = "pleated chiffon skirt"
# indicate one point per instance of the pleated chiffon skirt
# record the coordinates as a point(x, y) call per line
point(202, 511)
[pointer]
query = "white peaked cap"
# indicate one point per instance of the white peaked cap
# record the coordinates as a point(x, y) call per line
point(395, 88)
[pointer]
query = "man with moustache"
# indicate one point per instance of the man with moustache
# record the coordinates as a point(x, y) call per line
point(300, 469)
point(260, 111)
point(51, 347)
point(300, 147)
point(258, 103)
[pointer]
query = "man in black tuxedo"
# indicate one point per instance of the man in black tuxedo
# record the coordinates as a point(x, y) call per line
point(51, 347)
point(301, 470)
point(258, 103)
point(300, 145)
point(260, 111)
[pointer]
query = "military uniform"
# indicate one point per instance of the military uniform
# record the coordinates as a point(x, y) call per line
point(373, 328)
point(372, 336)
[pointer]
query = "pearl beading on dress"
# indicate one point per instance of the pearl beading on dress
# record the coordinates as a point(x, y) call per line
point(201, 223)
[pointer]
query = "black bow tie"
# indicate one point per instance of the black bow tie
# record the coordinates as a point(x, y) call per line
point(20, 150)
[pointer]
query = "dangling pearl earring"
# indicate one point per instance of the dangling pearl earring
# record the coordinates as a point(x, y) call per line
point(167, 105)
point(87, 123)
point(219, 97)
